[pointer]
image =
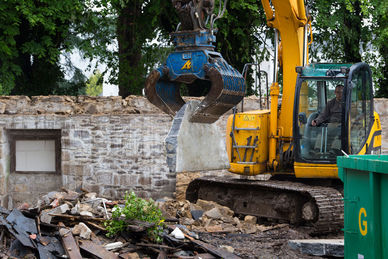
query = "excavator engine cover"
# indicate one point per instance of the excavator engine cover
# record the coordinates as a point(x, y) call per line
point(195, 63)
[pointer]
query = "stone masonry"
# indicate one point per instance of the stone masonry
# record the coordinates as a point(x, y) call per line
point(108, 145)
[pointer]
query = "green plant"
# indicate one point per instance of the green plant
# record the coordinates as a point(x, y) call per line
point(136, 208)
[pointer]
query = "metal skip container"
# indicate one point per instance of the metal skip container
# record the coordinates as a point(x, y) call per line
point(366, 205)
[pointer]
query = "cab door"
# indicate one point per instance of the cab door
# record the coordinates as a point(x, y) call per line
point(359, 109)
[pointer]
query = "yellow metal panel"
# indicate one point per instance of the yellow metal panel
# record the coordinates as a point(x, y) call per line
point(248, 170)
point(373, 135)
point(248, 127)
point(306, 170)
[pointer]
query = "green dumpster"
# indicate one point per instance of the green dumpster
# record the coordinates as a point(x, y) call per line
point(366, 205)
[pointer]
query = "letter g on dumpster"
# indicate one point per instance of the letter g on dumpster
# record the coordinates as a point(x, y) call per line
point(362, 223)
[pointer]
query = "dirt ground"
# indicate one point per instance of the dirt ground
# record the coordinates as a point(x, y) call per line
point(265, 245)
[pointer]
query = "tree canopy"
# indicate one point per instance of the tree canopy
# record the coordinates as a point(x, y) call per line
point(35, 35)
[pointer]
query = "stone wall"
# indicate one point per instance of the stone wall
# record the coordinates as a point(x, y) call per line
point(108, 145)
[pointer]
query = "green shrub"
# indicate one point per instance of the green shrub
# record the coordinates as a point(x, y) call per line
point(136, 209)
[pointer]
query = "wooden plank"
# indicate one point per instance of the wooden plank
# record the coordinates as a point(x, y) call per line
point(76, 218)
point(157, 246)
point(212, 249)
point(69, 243)
point(162, 255)
point(95, 226)
point(96, 250)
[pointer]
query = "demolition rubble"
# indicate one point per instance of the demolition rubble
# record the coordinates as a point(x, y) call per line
point(69, 224)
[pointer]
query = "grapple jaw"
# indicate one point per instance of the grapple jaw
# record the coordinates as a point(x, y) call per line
point(193, 63)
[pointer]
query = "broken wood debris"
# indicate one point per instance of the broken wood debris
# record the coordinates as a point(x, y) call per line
point(67, 224)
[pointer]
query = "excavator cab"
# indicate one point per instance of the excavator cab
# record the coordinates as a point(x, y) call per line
point(350, 127)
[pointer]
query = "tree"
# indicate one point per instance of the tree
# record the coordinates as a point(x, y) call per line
point(380, 22)
point(352, 31)
point(243, 34)
point(135, 24)
point(94, 84)
point(338, 32)
point(32, 36)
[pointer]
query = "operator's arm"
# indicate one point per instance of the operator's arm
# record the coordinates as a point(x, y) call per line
point(324, 116)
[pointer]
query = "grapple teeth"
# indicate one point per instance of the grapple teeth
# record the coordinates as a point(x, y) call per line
point(219, 99)
point(193, 63)
point(163, 94)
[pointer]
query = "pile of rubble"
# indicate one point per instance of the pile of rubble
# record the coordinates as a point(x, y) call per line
point(208, 216)
point(69, 224)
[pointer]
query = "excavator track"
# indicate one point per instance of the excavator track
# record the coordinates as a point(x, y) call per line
point(319, 207)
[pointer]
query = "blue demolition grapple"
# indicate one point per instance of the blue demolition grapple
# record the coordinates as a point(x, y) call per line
point(194, 63)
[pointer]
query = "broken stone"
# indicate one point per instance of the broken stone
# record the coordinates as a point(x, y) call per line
point(249, 229)
point(214, 228)
point(61, 209)
point(227, 219)
point(54, 203)
point(24, 206)
point(85, 207)
point(250, 220)
point(229, 228)
point(91, 195)
point(236, 221)
point(178, 234)
point(76, 209)
point(227, 248)
point(194, 206)
point(82, 230)
point(86, 213)
point(225, 211)
point(187, 221)
point(45, 216)
point(196, 214)
point(71, 195)
point(114, 245)
point(49, 197)
point(206, 205)
point(214, 213)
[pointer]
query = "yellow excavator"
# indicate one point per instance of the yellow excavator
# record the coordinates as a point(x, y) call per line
point(286, 141)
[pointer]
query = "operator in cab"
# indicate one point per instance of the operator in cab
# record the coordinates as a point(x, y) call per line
point(332, 111)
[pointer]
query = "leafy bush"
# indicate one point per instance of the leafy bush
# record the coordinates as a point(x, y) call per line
point(136, 208)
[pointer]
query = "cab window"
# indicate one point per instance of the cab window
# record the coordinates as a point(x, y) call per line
point(319, 119)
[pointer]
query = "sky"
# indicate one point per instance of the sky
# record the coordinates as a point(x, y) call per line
point(77, 60)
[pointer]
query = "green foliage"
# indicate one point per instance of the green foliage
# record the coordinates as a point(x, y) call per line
point(133, 23)
point(94, 84)
point(32, 36)
point(75, 86)
point(136, 209)
point(119, 33)
point(243, 34)
point(352, 31)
